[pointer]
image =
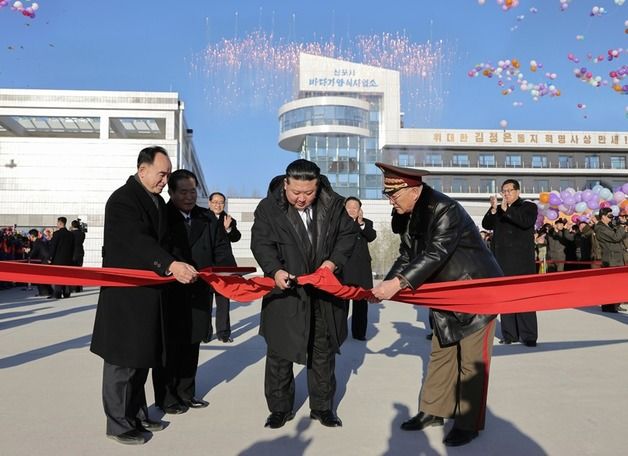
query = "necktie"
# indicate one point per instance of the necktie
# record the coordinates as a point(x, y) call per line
point(308, 222)
point(188, 223)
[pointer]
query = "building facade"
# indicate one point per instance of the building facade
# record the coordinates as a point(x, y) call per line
point(347, 116)
point(63, 152)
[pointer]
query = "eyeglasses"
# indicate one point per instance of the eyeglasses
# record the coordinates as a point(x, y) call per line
point(508, 190)
point(217, 203)
point(393, 196)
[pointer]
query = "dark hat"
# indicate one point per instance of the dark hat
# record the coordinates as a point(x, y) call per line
point(396, 178)
point(560, 220)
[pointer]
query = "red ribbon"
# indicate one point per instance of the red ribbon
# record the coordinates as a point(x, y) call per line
point(524, 293)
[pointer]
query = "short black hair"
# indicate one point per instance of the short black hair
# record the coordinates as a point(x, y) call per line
point(514, 182)
point(353, 198)
point(605, 211)
point(303, 170)
point(33, 232)
point(63, 220)
point(211, 196)
point(178, 176)
point(147, 155)
point(75, 224)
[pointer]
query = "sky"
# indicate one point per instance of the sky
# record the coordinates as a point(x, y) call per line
point(162, 46)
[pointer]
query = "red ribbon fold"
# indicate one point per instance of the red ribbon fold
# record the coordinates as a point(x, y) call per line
point(524, 293)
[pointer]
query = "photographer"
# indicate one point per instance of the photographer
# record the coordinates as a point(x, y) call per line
point(611, 238)
point(560, 242)
point(78, 230)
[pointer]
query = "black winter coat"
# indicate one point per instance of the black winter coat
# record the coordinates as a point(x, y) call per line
point(440, 244)
point(128, 330)
point(188, 312)
point(279, 241)
point(233, 235)
point(513, 237)
point(62, 247)
point(357, 271)
point(79, 251)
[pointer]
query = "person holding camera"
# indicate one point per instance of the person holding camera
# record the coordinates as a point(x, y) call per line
point(610, 237)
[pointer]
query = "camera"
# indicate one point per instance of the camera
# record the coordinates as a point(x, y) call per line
point(80, 225)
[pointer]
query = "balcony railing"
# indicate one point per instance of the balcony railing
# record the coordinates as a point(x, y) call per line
point(523, 164)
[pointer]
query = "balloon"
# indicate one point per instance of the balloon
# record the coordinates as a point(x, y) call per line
point(554, 199)
point(597, 188)
point(578, 197)
point(605, 204)
point(581, 207)
point(619, 196)
point(624, 188)
point(593, 204)
point(606, 194)
point(544, 197)
point(586, 194)
point(569, 200)
point(503, 123)
point(575, 218)
point(615, 210)
point(551, 214)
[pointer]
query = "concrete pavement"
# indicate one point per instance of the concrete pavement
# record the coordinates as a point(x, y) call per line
point(568, 396)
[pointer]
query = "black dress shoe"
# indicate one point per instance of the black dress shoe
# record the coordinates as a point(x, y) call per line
point(459, 437)
point(226, 340)
point(362, 338)
point(529, 343)
point(195, 403)
point(421, 421)
point(505, 341)
point(277, 419)
point(326, 417)
point(174, 409)
point(429, 336)
point(150, 425)
point(132, 437)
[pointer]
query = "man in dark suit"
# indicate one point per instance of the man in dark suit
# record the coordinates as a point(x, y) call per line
point(79, 251)
point(358, 271)
point(512, 223)
point(39, 252)
point(440, 243)
point(128, 330)
point(299, 227)
point(61, 253)
point(228, 224)
point(196, 240)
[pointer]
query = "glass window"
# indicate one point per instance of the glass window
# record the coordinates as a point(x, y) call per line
point(565, 183)
point(372, 181)
point(591, 183)
point(487, 186)
point(513, 160)
point(618, 162)
point(371, 193)
point(406, 159)
point(592, 161)
point(434, 159)
point(539, 161)
point(436, 183)
point(459, 185)
point(486, 160)
point(541, 185)
point(460, 160)
point(565, 161)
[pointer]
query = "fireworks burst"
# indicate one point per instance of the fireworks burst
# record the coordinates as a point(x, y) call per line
point(259, 70)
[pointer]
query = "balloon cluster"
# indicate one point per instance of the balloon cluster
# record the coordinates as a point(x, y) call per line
point(597, 11)
point(564, 4)
point(510, 70)
point(508, 4)
point(581, 205)
point(619, 2)
point(587, 76)
point(28, 11)
point(618, 75)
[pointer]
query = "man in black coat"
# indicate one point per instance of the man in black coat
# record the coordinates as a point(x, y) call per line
point(229, 225)
point(299, 227)
point(197, 240)
point(39, 252)
point(512, 223)
point(128, 330)
point(440, 243)
point(79, 251)
point(357, 271)
point(61, 253)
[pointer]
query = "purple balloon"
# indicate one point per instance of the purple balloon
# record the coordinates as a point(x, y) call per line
point(586, 194)
point(578, 197)
point(593, 204)
point(551, 214)
point(624, 188)
point(554, 199)
point(569, 200)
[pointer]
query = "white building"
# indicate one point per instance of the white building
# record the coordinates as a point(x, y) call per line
point(63, 152)
point(347, 116)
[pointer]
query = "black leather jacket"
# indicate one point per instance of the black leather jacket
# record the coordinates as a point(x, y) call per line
point(441, 243)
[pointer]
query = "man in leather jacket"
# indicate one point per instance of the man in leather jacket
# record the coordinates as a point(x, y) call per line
point(441, 243)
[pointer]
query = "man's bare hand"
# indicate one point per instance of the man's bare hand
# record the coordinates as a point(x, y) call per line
point(387, 289)
point(329, 265)
point(227, 221)
point(183, 272)
point(493, 201)
point(283, 279)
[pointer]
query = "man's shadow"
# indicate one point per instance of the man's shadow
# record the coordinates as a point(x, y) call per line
point(285, 445)
point(621, 317)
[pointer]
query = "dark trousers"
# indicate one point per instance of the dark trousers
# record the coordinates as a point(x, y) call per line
point(123, 397)
point(321, 379)
point(176, 382)
point(44, 290)
point(359, 319)
point(519, 326)
point(61, 290)
point(223, 321)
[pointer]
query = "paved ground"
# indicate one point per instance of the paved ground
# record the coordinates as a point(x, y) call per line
point(568, 396)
